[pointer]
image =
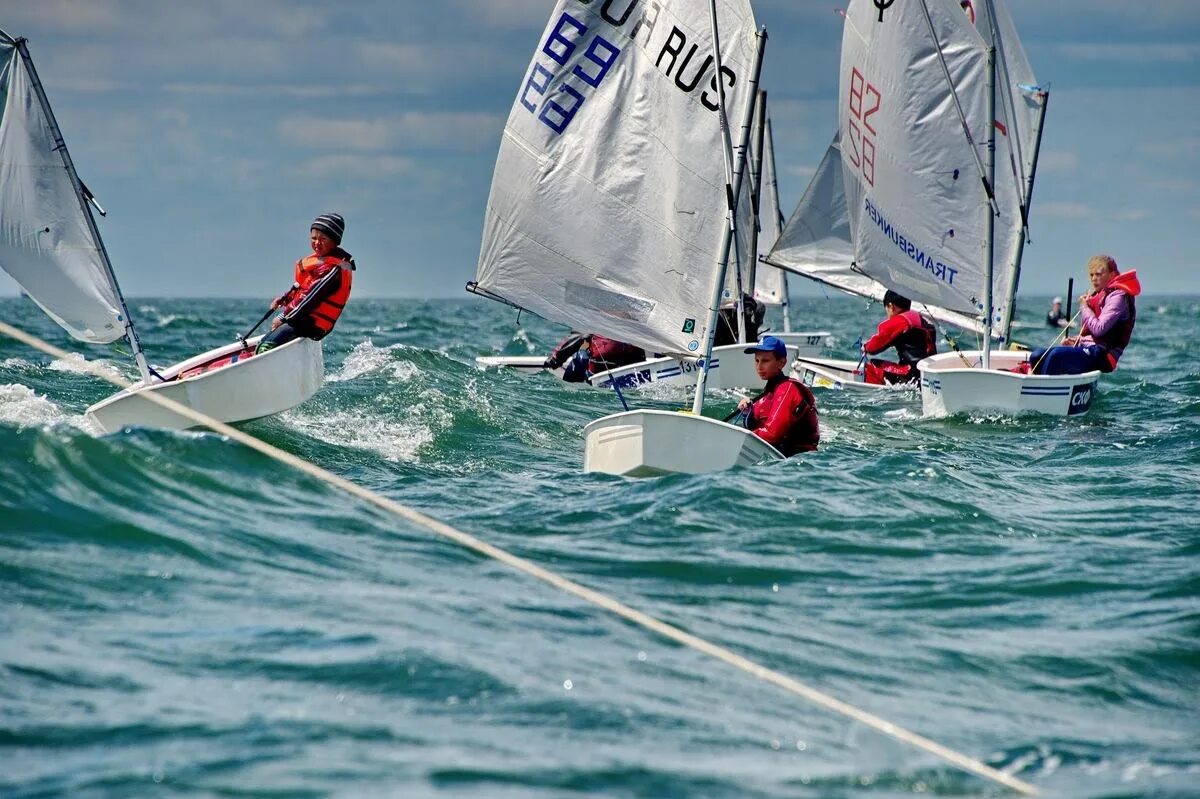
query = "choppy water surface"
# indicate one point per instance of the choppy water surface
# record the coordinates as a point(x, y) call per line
point(183, 617)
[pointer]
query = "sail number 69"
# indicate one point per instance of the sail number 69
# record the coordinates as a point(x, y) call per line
point(590, 67)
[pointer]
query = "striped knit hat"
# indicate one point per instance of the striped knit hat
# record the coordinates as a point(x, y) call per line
point(331, 225)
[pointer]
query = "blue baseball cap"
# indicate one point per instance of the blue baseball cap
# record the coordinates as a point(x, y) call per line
point(770, 344)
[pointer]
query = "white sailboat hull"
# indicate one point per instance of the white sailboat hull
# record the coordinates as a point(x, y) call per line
point(731, 367)
point(646, 443)
point(526, 364)
point(840, 375)
point(948, 386)
point(252, 387)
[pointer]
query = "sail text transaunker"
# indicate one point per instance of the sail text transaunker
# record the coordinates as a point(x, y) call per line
point(577, 64)
point(941, 271)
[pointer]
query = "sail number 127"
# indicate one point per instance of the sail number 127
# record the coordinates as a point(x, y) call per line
point(864, 100)
point(556, 104)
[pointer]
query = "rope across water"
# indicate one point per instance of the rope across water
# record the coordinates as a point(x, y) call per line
point(589, 595)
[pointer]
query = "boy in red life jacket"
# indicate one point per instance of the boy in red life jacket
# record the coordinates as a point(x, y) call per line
point(785, 414)
point(913, 336)
point(316, 299)
point(1107, 317)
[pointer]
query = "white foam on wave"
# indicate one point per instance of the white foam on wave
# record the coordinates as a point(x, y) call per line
point(521, 337)
point(76, 364)
point(24, 407)
point(366, 358)
point(392, 439)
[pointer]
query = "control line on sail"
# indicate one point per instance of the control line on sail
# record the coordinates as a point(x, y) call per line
point(589, 595)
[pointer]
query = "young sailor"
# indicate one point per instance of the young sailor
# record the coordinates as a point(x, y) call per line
point(584, 355)
point(316, 299)
point(785, 414)
point(1107, 316)
point(913, 336)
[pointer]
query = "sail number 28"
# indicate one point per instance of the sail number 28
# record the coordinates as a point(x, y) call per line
point(590, 67)
point(864, 101)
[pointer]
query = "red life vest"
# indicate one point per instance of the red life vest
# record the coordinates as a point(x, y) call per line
point(788, 429)
point(309, 271)
point(919, 341)
point(606, 353)
point(1117, 338)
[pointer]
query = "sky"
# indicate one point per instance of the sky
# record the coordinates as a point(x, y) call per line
point(213, 131)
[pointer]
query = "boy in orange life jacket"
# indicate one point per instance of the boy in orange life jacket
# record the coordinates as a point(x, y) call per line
point(785, 414)
point(316, 299)
point(911, 334)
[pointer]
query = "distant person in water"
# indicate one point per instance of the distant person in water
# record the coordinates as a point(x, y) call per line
point(1107, 315)
point(785, 414)
point(913, 336)
point(584, 354)
point(316, 299)
point(1056, 316)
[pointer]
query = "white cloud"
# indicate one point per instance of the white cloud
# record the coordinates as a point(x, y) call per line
point(304, 92)
point(1131, 215)
point(1132, 53)
point(1058, 161)
point(450, 131)
point(1065, 210)
point(509, 14)
point(1176, 185)
point(355, 167)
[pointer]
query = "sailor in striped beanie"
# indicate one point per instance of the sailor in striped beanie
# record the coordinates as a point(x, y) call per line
point(331, 225)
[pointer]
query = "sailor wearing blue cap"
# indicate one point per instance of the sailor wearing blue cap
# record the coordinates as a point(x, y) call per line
point(785, 414)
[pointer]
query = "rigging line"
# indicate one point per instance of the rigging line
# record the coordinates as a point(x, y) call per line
point(530, 568)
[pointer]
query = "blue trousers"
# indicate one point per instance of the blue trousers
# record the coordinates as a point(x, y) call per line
point(277, 337)
point(1068, 360)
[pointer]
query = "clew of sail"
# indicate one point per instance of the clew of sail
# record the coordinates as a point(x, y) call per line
point(47, 243)
point(914, 187)
point(608, 198)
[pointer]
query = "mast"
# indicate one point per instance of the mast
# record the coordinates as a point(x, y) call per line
point(756, 170)
point(83, 196)
point(989, 181)
point(732, 186)
point(770, 155)
point(1044, 96)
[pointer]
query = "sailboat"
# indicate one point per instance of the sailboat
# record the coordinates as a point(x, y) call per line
point(608, 207)
point(940, 123)
point(51, 246)
point(817, 243)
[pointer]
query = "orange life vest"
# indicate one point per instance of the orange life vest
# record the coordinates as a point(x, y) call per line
point(309, 271)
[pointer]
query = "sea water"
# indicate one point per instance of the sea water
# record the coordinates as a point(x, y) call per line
point(184, 617)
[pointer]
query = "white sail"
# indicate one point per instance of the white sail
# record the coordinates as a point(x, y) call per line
point(913, 182)
point(46, 238)
point(816, 241)
point(607, 205)
point(768, 283)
